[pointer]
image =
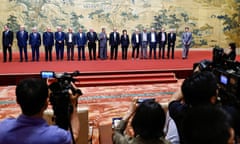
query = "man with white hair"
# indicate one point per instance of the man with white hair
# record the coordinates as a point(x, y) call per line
point(152, 40)
point(162, 35)
point(35, 42)
point(144, 44)
point(22, 38)
point(70, 40)
point(114, 41)
point(92, 38)
point(48, 42)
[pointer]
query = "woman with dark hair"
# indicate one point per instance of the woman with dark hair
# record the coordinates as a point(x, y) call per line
point(231, 54)
point(147, 123)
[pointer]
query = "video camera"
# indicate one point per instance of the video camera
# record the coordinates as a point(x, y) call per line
point(227, 73)
point(60, 98)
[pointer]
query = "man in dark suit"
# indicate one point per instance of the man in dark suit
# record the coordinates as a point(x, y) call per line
point(92, 38)
point(152, 40)
point(171, 43)
point(69, 38)
point(7, 40)
point(162, 38)
point(48, 42)
point(80, 41)
point(22, 38)
point(136, 41)
point(114, 41)
point(59, 44)
point(35, 42)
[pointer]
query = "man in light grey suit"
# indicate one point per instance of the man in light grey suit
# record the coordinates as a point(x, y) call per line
point(103, 44)
point(186, 41)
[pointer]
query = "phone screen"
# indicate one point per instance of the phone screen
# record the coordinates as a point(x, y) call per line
point(116, 121)
point(47, 74)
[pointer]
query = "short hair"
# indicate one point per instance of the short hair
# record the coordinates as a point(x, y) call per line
point(232, 46)
point(199, 88)
point(31, 95)
point(206, 124)
point(149, 120)
point(124, 31)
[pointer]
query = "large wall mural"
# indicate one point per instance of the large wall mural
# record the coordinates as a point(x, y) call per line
point(213, 22)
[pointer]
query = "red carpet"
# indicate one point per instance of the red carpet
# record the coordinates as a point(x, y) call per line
point(106, 65)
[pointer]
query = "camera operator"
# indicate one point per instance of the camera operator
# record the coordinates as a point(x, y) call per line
point(148, 119)
point(33, 97)
point(197, 90)
point(231, 53)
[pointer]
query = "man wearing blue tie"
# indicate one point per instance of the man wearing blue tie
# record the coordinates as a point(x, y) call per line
point(59, 44)
point(35, 42)
point(22, 38)
point(186, 41)
point(48, 42)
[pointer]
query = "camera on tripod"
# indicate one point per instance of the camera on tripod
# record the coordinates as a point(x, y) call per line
point(60, 97)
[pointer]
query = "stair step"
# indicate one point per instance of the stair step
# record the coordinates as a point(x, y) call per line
point(108, 82)
point(125, 76)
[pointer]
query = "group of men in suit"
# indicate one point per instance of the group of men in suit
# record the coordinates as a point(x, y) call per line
point(140, 41)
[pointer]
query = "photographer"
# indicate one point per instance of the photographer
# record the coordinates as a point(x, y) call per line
point(147, 123)
point(200, 89)
point(231, 54)
point(33, 97)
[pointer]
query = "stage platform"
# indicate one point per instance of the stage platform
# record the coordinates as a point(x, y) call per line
point(12, 72)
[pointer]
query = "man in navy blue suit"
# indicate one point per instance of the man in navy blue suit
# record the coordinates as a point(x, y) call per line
point(80, 41)
point(7, 40)
point(48, 42)
point(59, 44)
point(152, 40)
point(22, 38)
point(35, 42)
point(92, 38)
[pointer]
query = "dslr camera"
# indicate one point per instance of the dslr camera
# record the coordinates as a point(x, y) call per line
point(59, 97)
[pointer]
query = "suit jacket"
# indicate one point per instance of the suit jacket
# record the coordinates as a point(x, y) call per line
point(125, 41)
point(113, 42)
point(103, 39)
point(171, 39)
point(80, 41)
point(92, 38)
point(22, 38)
point(187, 38)
point(134, 39)
point(150, 37)
point(67, 38)
point(160, 37)
point(7, 38)
point(35, 39)
point(59, 36)
point(48, 39)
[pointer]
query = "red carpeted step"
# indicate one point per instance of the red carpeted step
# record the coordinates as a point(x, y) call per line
point(124, 82)
point(125, 78)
